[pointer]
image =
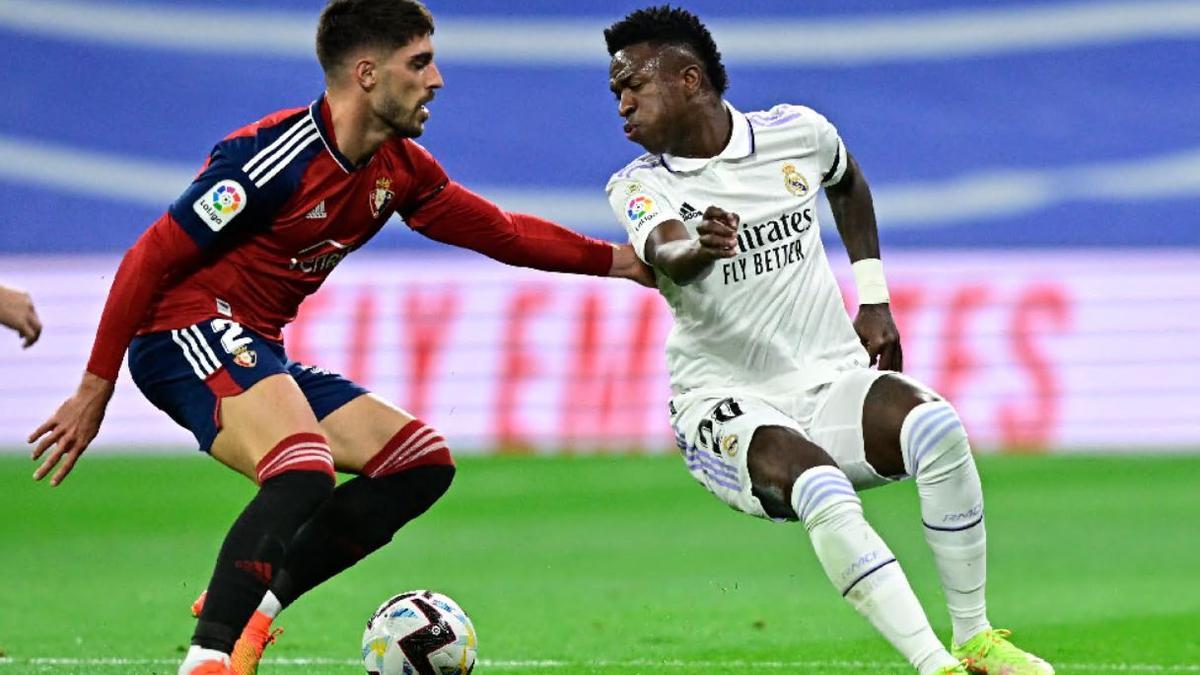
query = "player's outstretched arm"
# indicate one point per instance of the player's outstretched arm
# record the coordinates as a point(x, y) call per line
point(462, 218)
point(671, 250)
point(162, 252)
point(854, 212)
point(17, 312)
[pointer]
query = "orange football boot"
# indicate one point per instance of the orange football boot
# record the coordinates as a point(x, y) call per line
point(248, 650)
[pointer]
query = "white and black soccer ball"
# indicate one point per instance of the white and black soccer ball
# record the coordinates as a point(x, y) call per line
point(419, 633)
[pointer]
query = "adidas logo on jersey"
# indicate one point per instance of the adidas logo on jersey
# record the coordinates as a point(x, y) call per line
point(687, 212)
point(318, 212)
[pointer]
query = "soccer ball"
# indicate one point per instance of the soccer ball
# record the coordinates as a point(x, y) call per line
point(419, 633)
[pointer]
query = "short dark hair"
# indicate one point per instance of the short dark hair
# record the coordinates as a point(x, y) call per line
point(665, 25)
point(346, 25)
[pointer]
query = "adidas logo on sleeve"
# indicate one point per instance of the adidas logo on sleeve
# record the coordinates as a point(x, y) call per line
point(687, 212)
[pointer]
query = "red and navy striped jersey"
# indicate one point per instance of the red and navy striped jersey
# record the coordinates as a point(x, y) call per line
point(277, 207)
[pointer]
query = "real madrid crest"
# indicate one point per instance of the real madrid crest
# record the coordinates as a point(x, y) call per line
point(381, 196)
point(729, 445)
point(794, 181)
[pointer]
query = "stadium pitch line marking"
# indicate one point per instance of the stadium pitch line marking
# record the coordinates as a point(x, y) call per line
point(634, 663)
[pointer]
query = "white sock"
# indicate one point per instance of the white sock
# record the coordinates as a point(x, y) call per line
point(935, 449)
point(270, 605)
point(862, 568)
point(197, 655)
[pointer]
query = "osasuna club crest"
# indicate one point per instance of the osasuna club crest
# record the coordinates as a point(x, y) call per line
point(381, 196)
point(245, 357)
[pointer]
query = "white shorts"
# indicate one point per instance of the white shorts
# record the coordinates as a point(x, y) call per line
point(713, 431)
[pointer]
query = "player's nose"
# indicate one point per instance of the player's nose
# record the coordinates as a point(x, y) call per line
point(626, 104)
point(434, 75)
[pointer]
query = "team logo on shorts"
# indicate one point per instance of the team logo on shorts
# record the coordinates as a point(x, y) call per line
point(220, 204)
point(794, 181)
point(639, 207)
point(245, 357)
point(729, 445)
point(381, 196)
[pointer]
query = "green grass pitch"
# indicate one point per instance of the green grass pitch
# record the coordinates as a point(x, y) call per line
point(606, 564)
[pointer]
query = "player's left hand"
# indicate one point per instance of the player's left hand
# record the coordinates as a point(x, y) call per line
point(879, 336)
point(627, 265)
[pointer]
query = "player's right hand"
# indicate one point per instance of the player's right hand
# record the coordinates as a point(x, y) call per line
point(718, 233)
point(71, 428)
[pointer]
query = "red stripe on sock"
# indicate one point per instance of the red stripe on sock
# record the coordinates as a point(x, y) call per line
point(298, 452)
point(392, 457)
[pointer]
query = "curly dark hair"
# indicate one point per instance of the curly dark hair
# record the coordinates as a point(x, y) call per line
point(346, 25)
point(666, 25)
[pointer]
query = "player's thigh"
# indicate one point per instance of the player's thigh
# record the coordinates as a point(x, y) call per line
point(858, 422)
point(226, 384)
point(360, 428)
point(256, 420)
point(743, 450)
point(358, 424)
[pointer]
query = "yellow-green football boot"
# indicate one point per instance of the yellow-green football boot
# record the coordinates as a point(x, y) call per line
point(990, 652)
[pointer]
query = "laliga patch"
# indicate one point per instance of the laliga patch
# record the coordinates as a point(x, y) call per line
point(220, 204)
point(640, 209)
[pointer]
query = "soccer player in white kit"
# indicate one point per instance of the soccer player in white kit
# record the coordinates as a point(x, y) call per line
point(774, 405)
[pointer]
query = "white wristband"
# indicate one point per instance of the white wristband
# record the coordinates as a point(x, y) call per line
point(868, 277)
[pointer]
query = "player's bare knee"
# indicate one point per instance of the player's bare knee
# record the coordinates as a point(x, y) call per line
point(888, 403)
point(776, 458)
point(933, 441)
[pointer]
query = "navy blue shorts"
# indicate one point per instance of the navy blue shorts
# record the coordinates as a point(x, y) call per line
point(187, 371)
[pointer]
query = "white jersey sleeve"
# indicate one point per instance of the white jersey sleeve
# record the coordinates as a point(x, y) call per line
point(831, 152)
point(640, 208)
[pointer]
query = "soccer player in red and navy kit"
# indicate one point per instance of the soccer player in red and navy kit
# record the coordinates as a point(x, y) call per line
point(201, 298)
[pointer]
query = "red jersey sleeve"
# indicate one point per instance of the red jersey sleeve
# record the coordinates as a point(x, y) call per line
point(455, 215)
point(162, 252)
point(450, 213)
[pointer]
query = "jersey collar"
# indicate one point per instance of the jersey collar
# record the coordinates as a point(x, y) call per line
point(740, 146)
point(319, 109)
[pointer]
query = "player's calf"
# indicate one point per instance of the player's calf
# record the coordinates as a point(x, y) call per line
point(411, 472)
point(937, 453)
point(295, 477)
point(784, 465)
point(862, 567)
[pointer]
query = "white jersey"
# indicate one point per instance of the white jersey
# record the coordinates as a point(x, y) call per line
point(770, 319)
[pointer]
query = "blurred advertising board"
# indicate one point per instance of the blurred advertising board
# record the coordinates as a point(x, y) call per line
point(1040, 350)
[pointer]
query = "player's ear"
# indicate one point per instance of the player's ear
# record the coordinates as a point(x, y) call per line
point(692, 78)
point(366, 73)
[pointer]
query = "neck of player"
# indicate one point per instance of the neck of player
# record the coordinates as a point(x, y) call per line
point(357, 133)
point(708, 133)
